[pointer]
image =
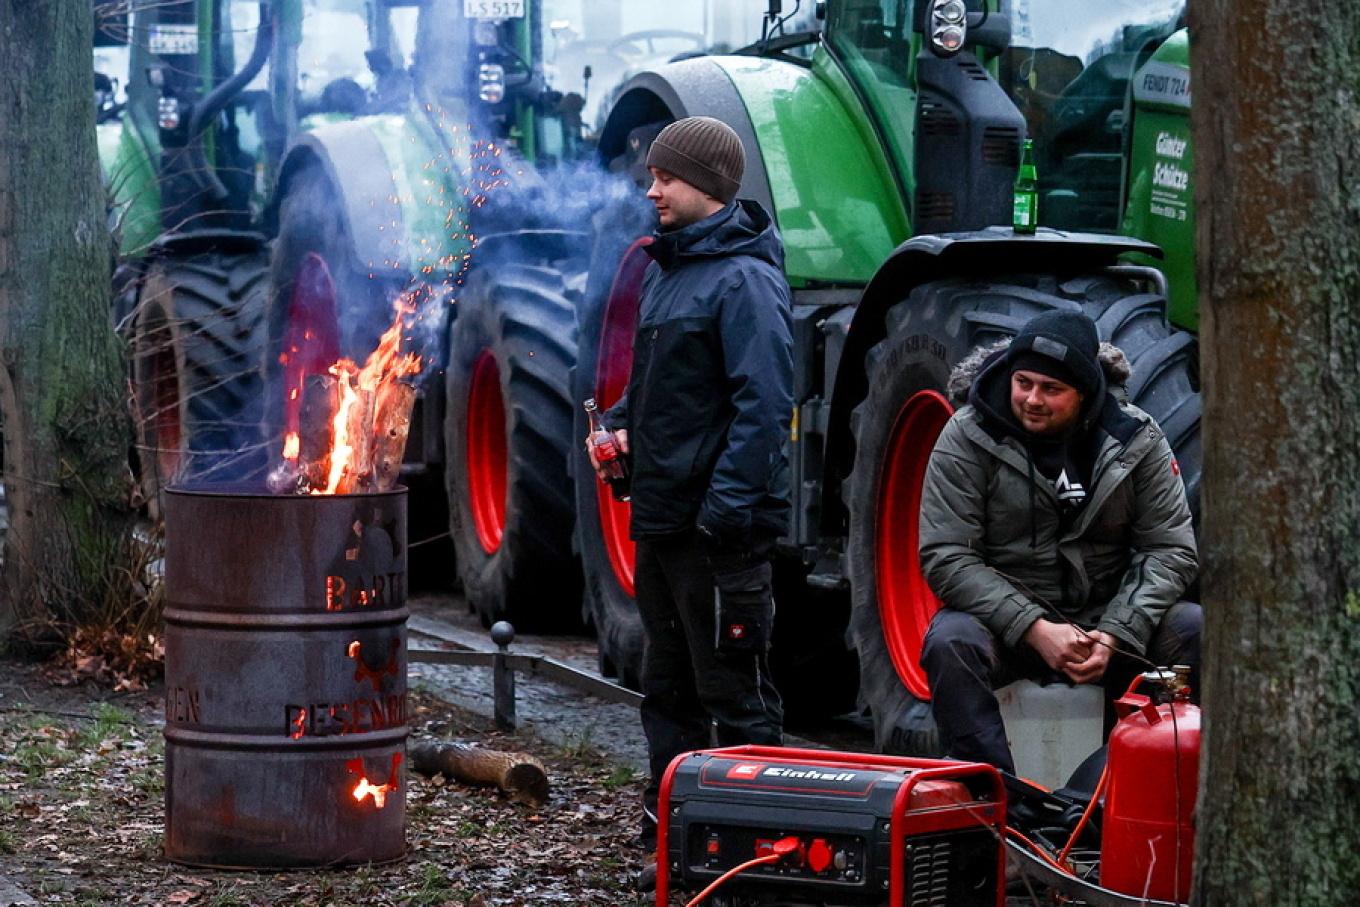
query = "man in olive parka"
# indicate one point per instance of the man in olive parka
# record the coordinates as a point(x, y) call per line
point(1055, 531)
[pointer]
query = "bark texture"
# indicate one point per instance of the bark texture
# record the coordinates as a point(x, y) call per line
point(1276, 122)
point(518, 775)
point(62, 399)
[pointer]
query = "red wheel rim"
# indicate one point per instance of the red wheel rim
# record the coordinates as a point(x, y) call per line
point(614, 363)
point(311, 339)
point(487, 452)
point(905, 602)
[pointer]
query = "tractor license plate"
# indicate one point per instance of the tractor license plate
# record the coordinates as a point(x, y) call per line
point(493, 9)
point(173, 39)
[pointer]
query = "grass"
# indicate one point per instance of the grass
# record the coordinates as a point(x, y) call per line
point(432, 888)
point(620, 776)
point(82, 806)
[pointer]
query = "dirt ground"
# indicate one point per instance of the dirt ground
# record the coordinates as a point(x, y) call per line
point(82, 800)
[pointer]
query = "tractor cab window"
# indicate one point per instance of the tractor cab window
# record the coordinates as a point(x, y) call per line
point(1068, 69)
point(591, 47)
point(875, 42)
point(354, 58)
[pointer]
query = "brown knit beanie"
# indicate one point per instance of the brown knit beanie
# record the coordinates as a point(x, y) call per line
point(703, 152)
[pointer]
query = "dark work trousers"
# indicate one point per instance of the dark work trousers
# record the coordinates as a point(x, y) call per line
point(692, 695)
point(965, 663)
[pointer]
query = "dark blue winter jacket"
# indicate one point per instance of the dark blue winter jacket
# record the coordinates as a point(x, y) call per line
point(710, 397)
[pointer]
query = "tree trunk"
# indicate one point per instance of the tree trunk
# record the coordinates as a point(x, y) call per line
point(62, 400)
point(1276, 124)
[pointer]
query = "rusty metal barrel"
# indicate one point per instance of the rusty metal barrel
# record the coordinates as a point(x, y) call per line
point(285, 677)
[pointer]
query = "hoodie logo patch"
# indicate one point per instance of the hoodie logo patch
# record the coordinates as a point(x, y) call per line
point(1071, 493)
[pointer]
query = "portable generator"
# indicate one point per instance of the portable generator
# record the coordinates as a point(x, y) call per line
point(769, 825)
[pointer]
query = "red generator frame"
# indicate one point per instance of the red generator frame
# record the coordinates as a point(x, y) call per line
point(817, 826)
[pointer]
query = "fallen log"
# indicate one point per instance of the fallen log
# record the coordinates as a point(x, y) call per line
point(519, 775)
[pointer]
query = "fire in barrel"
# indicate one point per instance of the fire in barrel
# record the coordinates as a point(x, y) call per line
point(286, 637)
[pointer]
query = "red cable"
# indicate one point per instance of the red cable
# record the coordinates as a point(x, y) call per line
point(781, 848)
point(1085, 815)
point(1039, 851)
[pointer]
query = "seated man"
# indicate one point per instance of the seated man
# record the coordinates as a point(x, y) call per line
point(1055, 530)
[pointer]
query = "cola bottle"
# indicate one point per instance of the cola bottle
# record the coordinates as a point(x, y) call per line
point(613, 463)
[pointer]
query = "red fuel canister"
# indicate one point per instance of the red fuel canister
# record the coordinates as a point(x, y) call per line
point(1148, 835)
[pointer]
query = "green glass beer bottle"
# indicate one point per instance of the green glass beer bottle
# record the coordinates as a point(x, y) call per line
point(1025, 213)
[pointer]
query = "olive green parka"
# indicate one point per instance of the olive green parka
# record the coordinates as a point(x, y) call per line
point(992, 542)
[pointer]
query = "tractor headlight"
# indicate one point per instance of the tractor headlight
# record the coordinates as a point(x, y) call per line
point(948, 26)
point(167, 112)
point(491, 82)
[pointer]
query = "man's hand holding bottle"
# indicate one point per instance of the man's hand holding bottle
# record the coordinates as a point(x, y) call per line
point(608, 451)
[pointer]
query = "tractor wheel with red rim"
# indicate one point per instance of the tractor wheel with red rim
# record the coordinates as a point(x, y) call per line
point(319, 283)
point(604, 359)
point(324, 303)
point(507, 429)
point(910, 398)
point(197, 338)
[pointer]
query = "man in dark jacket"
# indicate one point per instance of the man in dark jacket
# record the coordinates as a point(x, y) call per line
point(1055, 530)
point(706, 421)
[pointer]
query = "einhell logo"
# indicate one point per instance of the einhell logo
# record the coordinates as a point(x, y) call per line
point(746, 771)
point(750, 771)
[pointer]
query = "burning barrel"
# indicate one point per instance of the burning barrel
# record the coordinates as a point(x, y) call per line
point(285, 676)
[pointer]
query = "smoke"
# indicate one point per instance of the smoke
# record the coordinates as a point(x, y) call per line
point(495, 208)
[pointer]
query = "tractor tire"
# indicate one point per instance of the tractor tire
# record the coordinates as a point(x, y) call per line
point(311, 221)
point(349, 306)
point(604, 359)
point(198, 341)
point(896, 425)
point(507, 429)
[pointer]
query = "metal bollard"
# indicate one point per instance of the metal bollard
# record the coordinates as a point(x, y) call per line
point(503, 676)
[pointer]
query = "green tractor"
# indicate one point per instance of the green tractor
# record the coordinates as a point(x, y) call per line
point(291, 169)
point(183, 134)
point(886, 144)
point(480, 161)
point(474, 199)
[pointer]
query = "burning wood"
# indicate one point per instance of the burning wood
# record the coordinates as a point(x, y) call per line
point(391, 427)
point(320, 396)
point(519, 775)
point(346, 431)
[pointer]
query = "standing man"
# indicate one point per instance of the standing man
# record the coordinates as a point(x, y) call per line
point(706, 420)
point(1055, 530)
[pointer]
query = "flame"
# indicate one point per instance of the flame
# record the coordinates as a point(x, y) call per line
point(366, 788)
point(342, 450)
point(377, 792)
point(359, 392)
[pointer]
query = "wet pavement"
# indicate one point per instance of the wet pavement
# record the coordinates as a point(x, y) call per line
point(560, 714)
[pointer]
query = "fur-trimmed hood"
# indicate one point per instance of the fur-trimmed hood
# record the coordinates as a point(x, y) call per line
point(1116, 365)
